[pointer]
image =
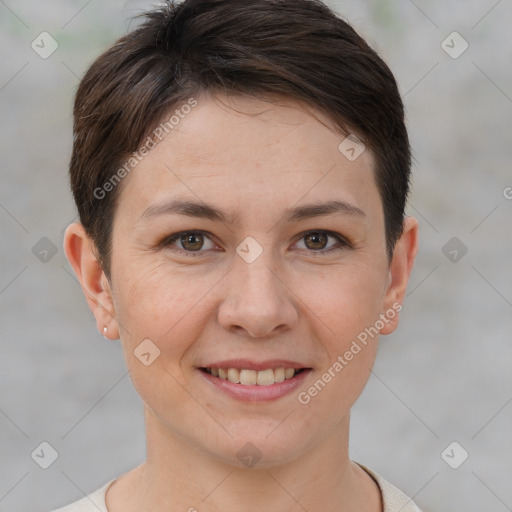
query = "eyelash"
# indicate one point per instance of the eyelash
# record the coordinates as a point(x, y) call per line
point(342, 242)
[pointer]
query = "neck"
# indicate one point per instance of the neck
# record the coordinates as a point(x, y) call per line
point(180, 476)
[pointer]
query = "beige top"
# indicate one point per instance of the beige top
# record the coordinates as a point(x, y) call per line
point(394, 500)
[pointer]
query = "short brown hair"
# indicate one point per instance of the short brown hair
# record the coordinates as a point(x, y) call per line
point(299, 49)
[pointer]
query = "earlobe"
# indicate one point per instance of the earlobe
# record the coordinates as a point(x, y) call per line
point(81, 254)
point(404, 255)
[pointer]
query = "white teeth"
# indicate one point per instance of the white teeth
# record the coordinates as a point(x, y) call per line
point(233, 375)
point(265, 377)
point(252, 377)
point(279, 375)
point(248, 377)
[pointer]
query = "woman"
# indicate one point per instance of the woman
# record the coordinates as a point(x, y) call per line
point(241, 171)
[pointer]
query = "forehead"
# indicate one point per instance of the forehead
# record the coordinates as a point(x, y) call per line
point(248, 127)
point(237, 151)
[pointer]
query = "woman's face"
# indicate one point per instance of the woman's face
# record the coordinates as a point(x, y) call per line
point(267, 282)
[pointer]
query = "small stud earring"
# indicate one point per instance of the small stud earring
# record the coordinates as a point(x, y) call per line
point(105, 331)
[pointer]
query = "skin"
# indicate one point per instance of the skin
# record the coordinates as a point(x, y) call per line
point(291, 303)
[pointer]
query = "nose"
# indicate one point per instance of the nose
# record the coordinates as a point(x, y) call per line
point(257, 301)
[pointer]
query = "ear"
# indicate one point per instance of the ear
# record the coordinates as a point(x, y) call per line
point(400, 268)
point(81, 254)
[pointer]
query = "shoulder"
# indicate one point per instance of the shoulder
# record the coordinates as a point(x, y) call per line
point(94, 502)
point(394, 499)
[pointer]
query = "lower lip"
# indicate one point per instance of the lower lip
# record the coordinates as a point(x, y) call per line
point(254, 392)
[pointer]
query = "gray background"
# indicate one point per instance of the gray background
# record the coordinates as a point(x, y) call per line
point(444, 376)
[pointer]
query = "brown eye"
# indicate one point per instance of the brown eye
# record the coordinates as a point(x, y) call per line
point(192, 242)
point(188, 242)
point(316, 242)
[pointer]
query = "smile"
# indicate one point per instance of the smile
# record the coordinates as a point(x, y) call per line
point(254, 385)
point(253, 377)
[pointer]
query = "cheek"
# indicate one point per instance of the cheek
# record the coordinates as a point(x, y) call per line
point(148, 293)
point(337, 388)
point(164, 305)
point(345, 299)
point(348, 308)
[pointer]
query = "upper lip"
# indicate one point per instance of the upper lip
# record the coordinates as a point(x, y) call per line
point(245, 364)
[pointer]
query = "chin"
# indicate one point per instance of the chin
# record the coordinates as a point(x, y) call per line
point(258, 450)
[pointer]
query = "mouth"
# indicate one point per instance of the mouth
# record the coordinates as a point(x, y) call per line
point(246, 377)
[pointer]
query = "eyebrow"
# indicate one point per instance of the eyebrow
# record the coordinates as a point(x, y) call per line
point(207, 211)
